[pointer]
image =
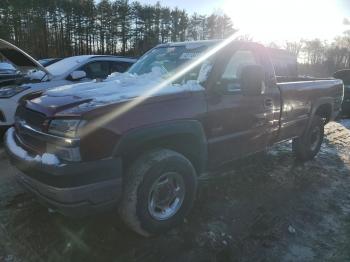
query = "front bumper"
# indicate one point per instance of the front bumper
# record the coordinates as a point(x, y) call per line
point(73, 189)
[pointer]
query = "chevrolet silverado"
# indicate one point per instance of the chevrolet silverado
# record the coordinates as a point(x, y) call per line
point(140, 140)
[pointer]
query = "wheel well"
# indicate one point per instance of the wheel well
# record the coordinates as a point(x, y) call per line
point(324, 111)
point(185, 144)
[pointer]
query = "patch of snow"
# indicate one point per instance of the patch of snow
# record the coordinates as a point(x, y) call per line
point(13, 146)
point(204, 72)
point(121, 87)
point(190, 46)
point(50, 210)
point(66, 64)
point(189, 56)
point(291, 229)
point(114, 74)
point(47, 159)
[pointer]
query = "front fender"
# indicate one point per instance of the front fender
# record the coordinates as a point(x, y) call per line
point(136, 138)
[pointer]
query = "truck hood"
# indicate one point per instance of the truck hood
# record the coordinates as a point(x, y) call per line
point(51, 106)
point(19, 58)
point(115, 89)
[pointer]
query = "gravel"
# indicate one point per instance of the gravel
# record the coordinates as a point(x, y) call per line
point(267, 207)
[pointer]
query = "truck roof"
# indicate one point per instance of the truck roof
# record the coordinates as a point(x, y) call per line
point(193, 44)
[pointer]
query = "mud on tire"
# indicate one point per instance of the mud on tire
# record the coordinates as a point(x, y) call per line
point(308, 145)
point(147, 178)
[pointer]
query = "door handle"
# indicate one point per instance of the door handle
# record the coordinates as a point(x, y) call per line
point(268, 103)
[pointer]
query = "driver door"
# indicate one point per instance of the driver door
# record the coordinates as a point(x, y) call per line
point(236, 123)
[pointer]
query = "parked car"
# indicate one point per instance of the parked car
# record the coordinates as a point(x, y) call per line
point(141, 139)
point(48, 61)
point(66, 71)
point(7, 68)
point(8, 74)
point(345, 76)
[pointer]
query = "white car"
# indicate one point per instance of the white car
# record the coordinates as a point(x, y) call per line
point(70, 70)
point(6, 68)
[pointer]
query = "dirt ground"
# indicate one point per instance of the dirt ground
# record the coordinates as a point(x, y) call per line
point(264, 208)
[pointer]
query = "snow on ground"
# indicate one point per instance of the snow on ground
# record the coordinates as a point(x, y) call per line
point(120, 87)
point(47, 159)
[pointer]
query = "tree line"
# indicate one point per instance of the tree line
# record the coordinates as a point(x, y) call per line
point(60, 28)
point(322, 58)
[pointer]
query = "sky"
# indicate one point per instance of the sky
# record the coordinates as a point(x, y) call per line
point(275, 20)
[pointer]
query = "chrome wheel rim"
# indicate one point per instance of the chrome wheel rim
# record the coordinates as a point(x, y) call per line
point(166, 196)
point(314, 138)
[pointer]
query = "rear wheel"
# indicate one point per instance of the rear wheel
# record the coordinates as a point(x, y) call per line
point(159, 192)
point(308, 145)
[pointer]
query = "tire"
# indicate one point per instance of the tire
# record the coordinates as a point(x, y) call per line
point(308, 145)
point(151, 173)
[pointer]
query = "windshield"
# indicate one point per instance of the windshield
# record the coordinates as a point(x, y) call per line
point(63, 66)
point(170, 59)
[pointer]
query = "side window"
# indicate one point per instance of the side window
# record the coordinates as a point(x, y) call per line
point(120, 67)
point(99, 69)
point(239, 60)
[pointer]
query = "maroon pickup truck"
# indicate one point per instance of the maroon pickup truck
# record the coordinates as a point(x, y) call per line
point(139, 140)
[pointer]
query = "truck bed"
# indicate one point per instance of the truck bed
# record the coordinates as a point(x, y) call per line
point(300, 97)
point(284, 79)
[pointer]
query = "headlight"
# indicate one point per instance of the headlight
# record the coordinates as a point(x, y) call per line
point(10, 91)
point(65, 127)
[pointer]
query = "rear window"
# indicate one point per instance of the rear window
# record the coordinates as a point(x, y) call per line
point(284, 63)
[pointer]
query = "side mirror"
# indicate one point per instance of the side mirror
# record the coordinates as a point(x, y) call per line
point(252, 78)
point(77, 75)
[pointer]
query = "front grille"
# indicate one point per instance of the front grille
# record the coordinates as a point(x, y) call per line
point(36, 121)
point(31, 144)
point(32, 118)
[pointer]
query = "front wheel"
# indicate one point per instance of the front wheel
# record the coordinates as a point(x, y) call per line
point(308, 145)
point(159, 192)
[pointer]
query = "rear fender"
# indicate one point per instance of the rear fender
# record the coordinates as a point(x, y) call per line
point(316, 105)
